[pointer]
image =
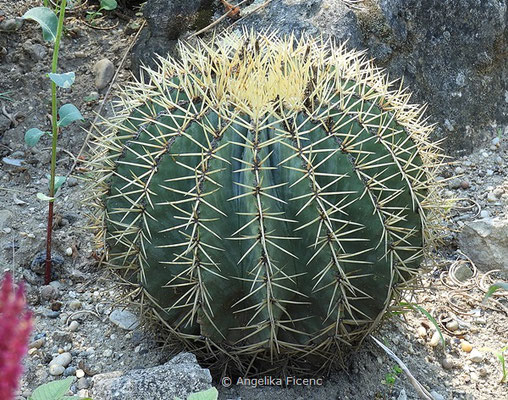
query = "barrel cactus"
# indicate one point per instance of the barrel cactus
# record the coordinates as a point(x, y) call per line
point(267, 198)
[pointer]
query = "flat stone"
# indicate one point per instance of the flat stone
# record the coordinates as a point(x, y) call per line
point(63, 359)
point(11, 25)
point(48, 292)
point(179, 377)
point(452, 325)
point(56, 370)
point(73, 326)
point(124, 319)
point(104, 71)
point(485, 241)
point(476, 356)
point(5, 218)
point(82, 383)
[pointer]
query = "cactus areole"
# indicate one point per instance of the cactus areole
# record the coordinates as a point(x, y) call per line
point(266, 197)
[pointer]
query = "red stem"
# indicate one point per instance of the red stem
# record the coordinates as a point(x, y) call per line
point(47, 275)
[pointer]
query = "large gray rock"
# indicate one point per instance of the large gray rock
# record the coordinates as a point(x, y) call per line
point(167, 20)
point(179, 377)
point(485, 241)
point(451, 53)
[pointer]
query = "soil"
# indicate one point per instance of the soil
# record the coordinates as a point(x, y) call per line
point(85, 293)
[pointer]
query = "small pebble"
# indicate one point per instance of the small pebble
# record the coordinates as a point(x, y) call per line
point(446, 363)
point(476, 356)
point(465, 185)
point(422, 332)
point(52, 314)
point(83, 393)
point(498, 192)
point(63, 359)
point(80, 373)
point(82, 383)
point(107, 353)
point(491, 197)
point(11, 25)
point(124, 319)
point(70, 371)
point(436, 396)
point(104, 71)
point(466, 346)
point(452, 325)
point(48, 292)
point(496, 141)
point(74, 325)
point(75, 305)
point(483, 372)
point(455, 183)
point(490, 172)
point(435, 340)
point(71, 181)
point(68, 251)
point(37, 344)
point(56, 370)
point(484, 214)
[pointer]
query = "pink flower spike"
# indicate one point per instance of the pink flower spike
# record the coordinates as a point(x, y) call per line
point(15, 328)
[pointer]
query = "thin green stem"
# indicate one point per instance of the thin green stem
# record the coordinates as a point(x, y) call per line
point(54, 129)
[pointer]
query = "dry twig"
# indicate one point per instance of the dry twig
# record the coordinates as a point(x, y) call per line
point(424, 394)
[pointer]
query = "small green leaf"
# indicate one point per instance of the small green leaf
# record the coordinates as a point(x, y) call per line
point(46, 19)
point(68, 114)
point(108, 4)
point(32, 136)
point(210, 394)
point(53, 390)
point(43, 197)
point(59, 181)
point(493, 288)
point(64, 80)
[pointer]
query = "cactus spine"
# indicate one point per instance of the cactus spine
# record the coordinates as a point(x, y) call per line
point(267, 197)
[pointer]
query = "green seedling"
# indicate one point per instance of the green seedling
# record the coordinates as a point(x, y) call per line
point(501, 358)
point(107, 5)
point(494, 288)
point(391, 376)
point(55, 390)
point(52, 28)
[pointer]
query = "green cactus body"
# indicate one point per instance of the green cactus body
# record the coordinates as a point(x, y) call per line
point(268, 196)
